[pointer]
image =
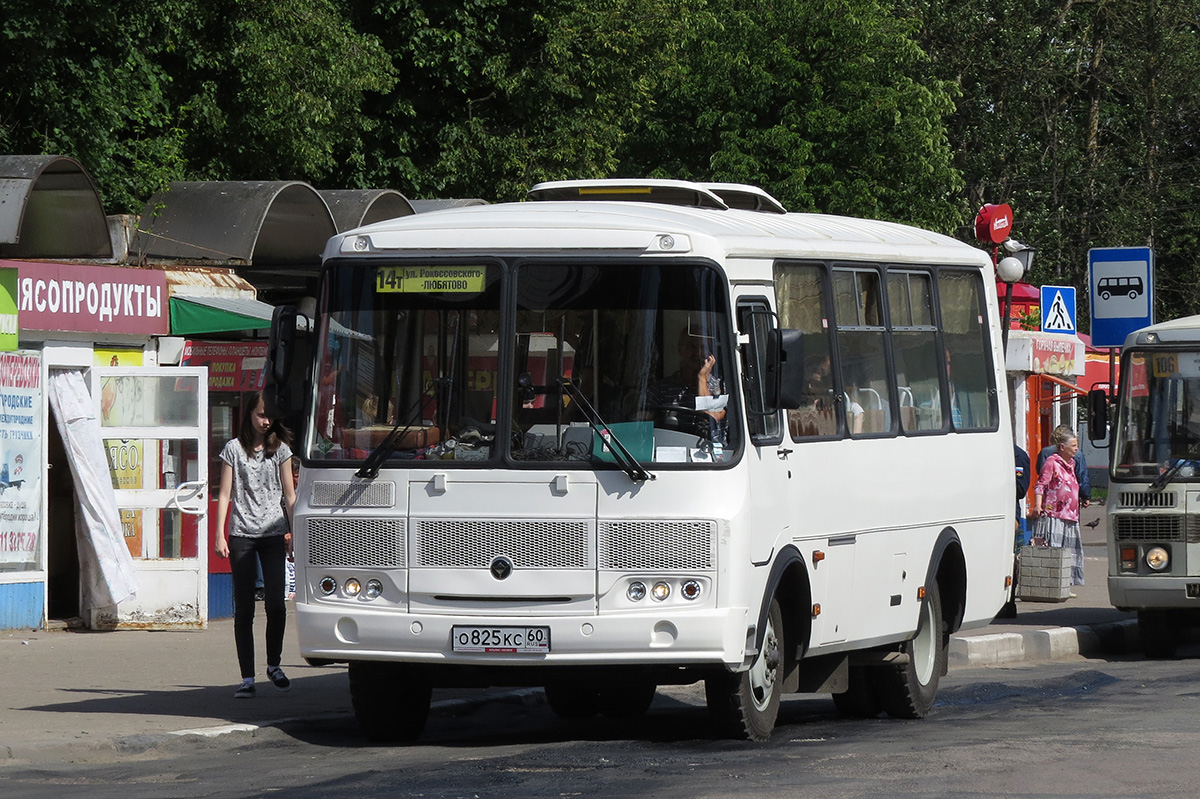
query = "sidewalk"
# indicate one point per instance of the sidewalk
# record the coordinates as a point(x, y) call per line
point(68, 694)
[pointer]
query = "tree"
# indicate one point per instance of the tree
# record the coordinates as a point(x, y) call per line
point(497, 95)
point(827, 104)
point(1081, 115)
point(144, 93)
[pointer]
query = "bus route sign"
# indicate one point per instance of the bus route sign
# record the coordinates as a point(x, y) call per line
point(1121, 285)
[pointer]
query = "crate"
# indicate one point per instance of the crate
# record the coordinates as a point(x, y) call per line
point(1045, 574)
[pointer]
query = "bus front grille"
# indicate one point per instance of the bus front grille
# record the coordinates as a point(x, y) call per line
point(1147, 499)
point(683, 545)
point(357, 542)
point(1147, 527)
point(475, 543)
point(358, 494)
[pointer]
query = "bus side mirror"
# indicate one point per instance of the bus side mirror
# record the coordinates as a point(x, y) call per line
point(1098, 416)
point(785, 369)
point(281, 349)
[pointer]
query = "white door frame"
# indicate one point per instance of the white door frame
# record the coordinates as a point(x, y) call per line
point(174, 590)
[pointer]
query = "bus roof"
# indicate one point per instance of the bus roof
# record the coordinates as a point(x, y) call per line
point(608, 226)
point(1184, 330)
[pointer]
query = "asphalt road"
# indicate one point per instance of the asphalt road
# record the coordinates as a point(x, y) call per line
point(1079, 728)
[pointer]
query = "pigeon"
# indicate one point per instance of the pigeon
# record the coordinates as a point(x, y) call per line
point(1093, 523)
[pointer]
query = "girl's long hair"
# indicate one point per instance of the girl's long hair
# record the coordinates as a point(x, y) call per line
point(277, 434)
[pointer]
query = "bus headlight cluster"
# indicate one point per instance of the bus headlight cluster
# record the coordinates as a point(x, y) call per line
point(353, 587)
point(1158, 559)
point(660, 590)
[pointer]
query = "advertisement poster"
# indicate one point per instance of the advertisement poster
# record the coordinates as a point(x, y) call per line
point(119, 396)
point(20, 457)
point(232, 365)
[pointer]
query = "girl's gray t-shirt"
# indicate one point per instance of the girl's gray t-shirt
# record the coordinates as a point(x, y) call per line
point(256, 502)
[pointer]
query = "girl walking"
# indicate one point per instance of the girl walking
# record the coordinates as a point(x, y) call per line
point(256, 482)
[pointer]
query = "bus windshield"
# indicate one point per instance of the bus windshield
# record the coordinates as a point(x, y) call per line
point(433, 356)
point(1159, 425)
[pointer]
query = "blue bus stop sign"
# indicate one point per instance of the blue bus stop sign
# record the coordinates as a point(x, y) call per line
point(1121, 287)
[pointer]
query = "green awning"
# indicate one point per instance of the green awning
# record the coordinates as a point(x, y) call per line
point(197, 315)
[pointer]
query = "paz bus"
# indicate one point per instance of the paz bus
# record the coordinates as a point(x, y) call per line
point(1154, 491)
point(629, 434)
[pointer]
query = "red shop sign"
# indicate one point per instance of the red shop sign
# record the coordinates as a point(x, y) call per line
point(83, 298)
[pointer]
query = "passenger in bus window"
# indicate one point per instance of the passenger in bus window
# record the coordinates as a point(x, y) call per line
point(692, 386)
point(815, 416)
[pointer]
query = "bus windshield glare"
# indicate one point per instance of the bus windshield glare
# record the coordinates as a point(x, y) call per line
point(1159, 425)
point(427, 356)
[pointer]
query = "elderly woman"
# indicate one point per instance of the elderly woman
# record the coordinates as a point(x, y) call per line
point(1056, 500)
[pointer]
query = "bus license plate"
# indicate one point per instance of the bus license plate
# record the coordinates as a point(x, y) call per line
point(502, 640)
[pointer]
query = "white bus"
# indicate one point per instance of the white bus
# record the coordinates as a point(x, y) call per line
point(643, 433)
point(1153, 503)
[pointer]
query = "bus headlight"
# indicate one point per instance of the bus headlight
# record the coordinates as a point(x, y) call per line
point(374, 589)
point(691, 590)
point(352, 587)
point(327, 585)
point(1158, 558)
point(660, 591)
point(636, 592)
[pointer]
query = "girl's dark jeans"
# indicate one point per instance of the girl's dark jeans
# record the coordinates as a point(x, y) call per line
point(245, 555)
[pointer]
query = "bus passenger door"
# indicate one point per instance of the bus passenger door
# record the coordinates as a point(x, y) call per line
point(769, 456)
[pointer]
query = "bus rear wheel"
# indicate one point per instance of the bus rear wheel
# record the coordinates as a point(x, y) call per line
point(908, 690)
point(391, 700)
point(745, 704)
point(1159, 632)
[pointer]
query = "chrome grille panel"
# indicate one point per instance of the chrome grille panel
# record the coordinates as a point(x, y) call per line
point(354, 541)
point(685, 545)
point(1148, 527)
point(341, 494)
point(1147, 499)
point(474, 543)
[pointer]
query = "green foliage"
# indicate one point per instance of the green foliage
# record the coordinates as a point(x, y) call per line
point(826, 103)
point(497, 95)
point(144, 93)
point(1080, 115)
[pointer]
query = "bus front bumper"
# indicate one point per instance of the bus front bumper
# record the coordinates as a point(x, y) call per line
point(703, 637)
point(1139, 592)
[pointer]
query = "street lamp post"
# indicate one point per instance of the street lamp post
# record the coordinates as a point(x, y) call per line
point(1011, 269)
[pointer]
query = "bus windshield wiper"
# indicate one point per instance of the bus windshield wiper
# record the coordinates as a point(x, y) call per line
point(621, 455)
point(370, 467)
point(1161, 481)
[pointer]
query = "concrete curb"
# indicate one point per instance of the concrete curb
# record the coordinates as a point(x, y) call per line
point(1056, 643)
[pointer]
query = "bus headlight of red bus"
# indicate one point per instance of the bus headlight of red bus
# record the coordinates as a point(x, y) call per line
point(1158, 559)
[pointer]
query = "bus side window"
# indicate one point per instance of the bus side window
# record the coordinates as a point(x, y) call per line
point(971, 392)
point(915, 350)
point(862, 347)
point(801, 294)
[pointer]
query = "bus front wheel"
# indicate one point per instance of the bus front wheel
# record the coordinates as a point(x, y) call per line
point(391, 700)
point(1159, 631)
point(907, 690)
point(745, 704)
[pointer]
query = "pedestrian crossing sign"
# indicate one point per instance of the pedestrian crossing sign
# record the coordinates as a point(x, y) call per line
point(1058, 309)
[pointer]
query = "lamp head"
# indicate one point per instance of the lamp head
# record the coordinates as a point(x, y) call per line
point(1010, 269)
